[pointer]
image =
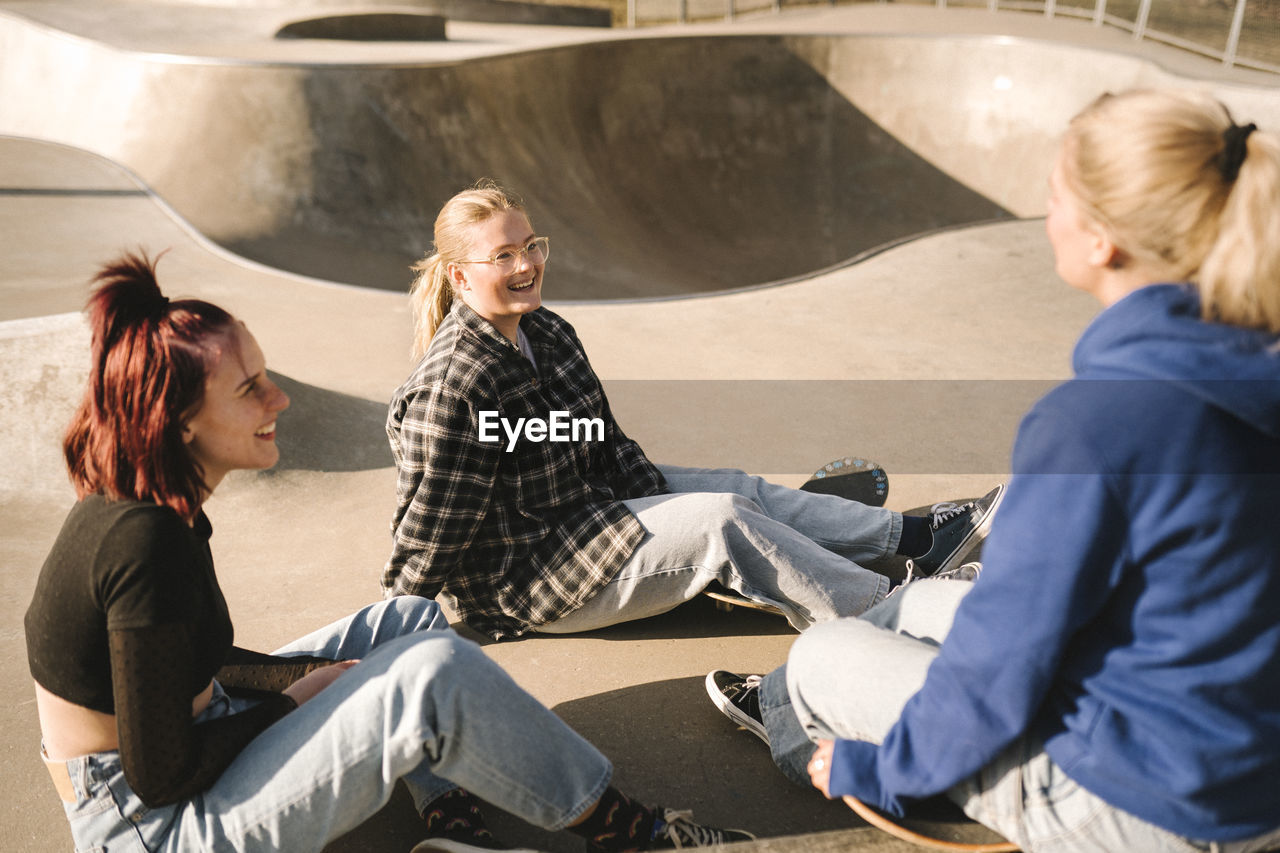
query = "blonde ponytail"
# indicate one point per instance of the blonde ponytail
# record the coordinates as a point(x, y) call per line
point(1239, 280)
point(1153, 168)
point(431, 295)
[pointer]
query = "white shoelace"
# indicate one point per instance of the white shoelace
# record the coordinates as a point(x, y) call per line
point(684, 832)
point(941, 513)
point(735, 692)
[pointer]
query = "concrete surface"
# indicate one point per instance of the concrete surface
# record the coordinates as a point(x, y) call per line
point(921, 357)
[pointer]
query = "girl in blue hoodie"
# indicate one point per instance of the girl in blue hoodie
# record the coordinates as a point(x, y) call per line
point(1112, 681)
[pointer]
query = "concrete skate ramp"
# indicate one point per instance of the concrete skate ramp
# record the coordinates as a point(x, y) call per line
point(658, 166)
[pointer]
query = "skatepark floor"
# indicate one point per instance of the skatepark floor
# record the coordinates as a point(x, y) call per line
point(921, 357)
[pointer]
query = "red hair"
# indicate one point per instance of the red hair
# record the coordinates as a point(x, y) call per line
point(151, 358)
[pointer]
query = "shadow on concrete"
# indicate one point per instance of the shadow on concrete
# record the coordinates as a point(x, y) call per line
point(369, 26)
point(674, 749)
point(697, 618)
point(325, 430)
point(678, 750)
point(396, 826)
point(489, 11)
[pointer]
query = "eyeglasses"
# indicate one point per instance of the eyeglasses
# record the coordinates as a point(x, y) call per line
point(537, 250)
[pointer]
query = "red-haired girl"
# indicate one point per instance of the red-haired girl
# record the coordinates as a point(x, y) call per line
point(160, 734)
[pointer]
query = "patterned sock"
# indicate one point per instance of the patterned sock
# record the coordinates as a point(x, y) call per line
point(456, 814)
point(619, 823)
point(917, 537)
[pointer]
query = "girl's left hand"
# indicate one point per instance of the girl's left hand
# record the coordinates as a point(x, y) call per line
point(306, 687)
point(820, 767)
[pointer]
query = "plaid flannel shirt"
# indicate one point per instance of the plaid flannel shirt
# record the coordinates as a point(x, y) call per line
point(515, 539)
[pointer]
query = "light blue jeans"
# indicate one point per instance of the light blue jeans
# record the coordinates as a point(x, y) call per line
point(796, 550)
point(423, 704)
point(883, 658)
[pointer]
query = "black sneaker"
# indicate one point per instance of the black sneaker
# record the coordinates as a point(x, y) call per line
point(455, 825)
point(957, 529)
point(675, 830)
point(738, 698)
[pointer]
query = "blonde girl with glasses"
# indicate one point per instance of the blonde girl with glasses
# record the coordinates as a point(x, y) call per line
point(1110, 681)
point(571, 535)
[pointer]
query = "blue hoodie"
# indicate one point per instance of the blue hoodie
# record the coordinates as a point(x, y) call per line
point(1128, 613)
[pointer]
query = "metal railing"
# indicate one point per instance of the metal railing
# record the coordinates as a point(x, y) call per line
point(1244, 33)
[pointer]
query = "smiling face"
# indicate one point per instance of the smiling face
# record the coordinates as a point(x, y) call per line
point(501, 298)
point(235, 426)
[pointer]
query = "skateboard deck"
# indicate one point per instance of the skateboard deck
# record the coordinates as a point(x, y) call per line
point(853, 478)
point(938, 824)
point(727, 599)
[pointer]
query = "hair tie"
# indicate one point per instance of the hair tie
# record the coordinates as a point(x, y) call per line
point(1235, 146)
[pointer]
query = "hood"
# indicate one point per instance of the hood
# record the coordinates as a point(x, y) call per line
point(1157, 333)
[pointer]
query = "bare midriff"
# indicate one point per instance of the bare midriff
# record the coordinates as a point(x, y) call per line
point(70, 730)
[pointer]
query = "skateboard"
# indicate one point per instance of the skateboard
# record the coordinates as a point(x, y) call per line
point(727, 599)
point(980, 839)
point(853, 478)
point(850, 477)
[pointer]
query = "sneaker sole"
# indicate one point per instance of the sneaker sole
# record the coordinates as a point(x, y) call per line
point(726, 708)
point(448, 845)
point(957, 556)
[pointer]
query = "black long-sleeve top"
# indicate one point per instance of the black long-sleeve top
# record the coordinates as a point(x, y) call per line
point(128, 619)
